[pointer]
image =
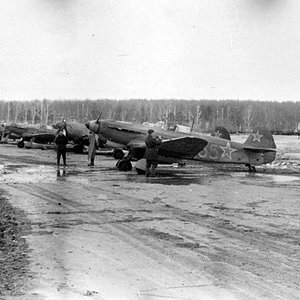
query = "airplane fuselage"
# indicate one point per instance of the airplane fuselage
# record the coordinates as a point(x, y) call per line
point(225, 151)
point(218, 150)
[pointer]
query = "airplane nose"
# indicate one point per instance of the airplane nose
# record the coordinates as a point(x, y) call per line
point(87, 125)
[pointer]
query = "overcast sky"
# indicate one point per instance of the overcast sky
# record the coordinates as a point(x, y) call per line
point(195, 49)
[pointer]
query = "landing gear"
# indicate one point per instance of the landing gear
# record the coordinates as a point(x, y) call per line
point(251, 168)
point(78, 149)
point(118, 154)
point(124, 165)
point(21, 144)
point(140, 171)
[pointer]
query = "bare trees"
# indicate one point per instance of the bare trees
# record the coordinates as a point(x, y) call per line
point(202, 115)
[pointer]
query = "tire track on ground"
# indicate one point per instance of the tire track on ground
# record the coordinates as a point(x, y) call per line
point(193, 257)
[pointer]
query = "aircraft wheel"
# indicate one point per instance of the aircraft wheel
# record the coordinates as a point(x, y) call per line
point(118, 154)
point(124, 165)
point(78, 149)
point(140, 171)
point(21, 144)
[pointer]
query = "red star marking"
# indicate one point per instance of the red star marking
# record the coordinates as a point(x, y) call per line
point(217, 134)
point(227, 151)
point(256, 136)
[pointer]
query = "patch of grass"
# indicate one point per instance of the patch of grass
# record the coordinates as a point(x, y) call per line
point(14, 262)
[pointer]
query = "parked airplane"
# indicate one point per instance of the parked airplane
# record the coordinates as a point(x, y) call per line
point(41, 135)
point(77, 134)
point(258, 149)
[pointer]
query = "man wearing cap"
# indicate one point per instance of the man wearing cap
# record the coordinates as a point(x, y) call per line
point(151, 154)
point(61, 141)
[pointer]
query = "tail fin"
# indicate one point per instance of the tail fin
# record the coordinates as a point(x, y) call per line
point(222, 133)
point(260, 140)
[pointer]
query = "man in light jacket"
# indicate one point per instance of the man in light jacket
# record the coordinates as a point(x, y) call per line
point(93, 146)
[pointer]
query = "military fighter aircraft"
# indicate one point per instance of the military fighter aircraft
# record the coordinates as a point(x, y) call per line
point(41, 135)
point(77, 133)
point(258, 149)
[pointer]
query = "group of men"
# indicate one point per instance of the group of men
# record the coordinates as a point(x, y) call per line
point(151, 154)
point(61, 141)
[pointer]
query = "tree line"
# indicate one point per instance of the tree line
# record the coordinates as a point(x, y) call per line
point(201, 115)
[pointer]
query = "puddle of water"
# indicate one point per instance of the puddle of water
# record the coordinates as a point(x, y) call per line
point(49, 174)
point(284, 178)
point(177, 180)
point(25, 173)
point(271, 178)
point(168, 179)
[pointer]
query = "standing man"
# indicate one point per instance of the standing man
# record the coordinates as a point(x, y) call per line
point(61, 142)
point(93, 145)
point(151, 153)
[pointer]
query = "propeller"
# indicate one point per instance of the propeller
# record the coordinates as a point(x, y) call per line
point(98, 121)
point(100, 114)
point(60, 125)
point(95, 125)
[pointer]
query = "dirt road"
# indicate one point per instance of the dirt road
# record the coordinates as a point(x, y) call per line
point(191, 233)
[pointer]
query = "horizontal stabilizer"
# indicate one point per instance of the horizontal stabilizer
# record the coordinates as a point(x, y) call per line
point(258, 150)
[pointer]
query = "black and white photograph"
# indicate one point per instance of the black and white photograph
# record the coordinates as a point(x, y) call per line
point(150, 149)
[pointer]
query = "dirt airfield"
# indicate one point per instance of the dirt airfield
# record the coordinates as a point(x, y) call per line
point(196, 232)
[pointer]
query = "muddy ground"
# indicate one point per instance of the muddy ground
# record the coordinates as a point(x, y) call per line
point(198, 232)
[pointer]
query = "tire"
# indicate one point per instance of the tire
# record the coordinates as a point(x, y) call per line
point(21, 144)
point(140, 171)
point(124, 165)
point(78, 149)
point(118, 154)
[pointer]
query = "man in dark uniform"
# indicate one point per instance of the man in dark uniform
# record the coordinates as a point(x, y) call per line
point(151, 154)
point(61, 141)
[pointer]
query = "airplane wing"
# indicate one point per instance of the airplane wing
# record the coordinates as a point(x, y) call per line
point(181, 147)
point(41, 138)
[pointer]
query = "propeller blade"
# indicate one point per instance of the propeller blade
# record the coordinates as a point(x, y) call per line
point(100, 114)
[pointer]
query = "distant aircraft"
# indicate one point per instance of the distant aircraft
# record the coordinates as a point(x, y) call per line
point(77, 133)
point(41, 135)
point(258, 149)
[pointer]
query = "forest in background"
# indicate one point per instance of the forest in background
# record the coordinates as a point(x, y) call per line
point(201, 115)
